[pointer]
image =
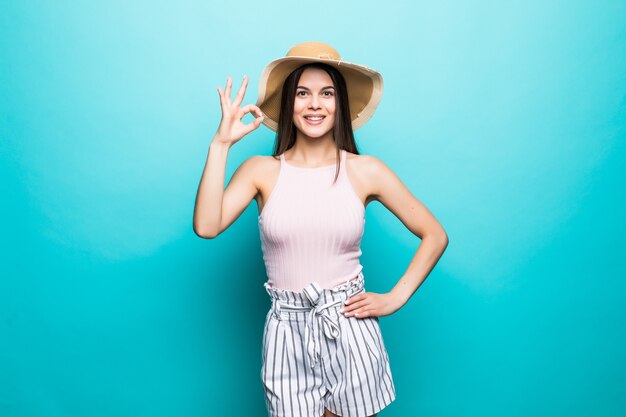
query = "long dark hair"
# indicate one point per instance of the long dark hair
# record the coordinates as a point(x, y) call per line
point(342, 130)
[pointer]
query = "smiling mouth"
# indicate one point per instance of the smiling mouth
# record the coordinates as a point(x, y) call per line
point(314, 120)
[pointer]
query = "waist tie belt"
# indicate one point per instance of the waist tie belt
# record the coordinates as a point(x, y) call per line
point(317, 316)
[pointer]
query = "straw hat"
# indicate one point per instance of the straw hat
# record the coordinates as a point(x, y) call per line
point(365, 85)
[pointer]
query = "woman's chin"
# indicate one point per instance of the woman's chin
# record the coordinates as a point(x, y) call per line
point(314, 134)
point(314, 131)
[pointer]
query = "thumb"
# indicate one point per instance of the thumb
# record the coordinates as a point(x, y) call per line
point(254, 125)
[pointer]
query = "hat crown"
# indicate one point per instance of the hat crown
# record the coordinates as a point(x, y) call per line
point(315, 50)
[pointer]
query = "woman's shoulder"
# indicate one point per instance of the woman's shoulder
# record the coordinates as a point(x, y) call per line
point(261, 162)
point(355, 156)
point(263, 168)
point(368, 165)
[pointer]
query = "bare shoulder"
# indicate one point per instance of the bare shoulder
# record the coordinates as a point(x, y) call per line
point(265, 164)
point(264, 172)
point(258, 165)
point(369, 174)
point(362, 172)
point(366, 166)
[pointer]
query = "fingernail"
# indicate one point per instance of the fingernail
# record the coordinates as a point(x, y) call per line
point(341, 310)
point(346, 302)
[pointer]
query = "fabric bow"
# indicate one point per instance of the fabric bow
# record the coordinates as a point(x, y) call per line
point(315, 318)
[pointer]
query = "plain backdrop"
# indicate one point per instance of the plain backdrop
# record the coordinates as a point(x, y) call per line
point(506, 119)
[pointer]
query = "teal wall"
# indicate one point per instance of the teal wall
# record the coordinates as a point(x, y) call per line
point(507, 119)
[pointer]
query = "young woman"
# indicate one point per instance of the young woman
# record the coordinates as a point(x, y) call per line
point(323, 351)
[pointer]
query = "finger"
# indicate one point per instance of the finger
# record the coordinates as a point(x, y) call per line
point(247, 109)
point(251, 126)
point(355, 298)
point(366, 311)
point(252, 108)
point(361, 314)
point(357, 312)
point(355, 306)
point(221, 93)
point(241, 92)
point(357, 303)
point(229, 83)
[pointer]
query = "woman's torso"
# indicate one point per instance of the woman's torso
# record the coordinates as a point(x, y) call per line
point(310, 227)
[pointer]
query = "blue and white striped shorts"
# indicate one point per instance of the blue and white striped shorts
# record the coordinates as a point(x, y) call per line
point(314, 357)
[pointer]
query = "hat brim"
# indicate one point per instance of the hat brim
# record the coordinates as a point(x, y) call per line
point(365, 88)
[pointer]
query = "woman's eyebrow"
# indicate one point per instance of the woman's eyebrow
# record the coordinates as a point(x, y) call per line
point(323, 88)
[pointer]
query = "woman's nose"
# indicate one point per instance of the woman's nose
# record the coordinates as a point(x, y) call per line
point(314, 101)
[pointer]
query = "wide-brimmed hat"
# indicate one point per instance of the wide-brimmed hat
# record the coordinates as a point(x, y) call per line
point(365, 85)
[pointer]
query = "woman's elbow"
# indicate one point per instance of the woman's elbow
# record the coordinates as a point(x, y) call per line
point(204, 234)
point(442, 237)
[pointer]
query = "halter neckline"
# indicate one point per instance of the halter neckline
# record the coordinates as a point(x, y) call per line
point(284, 161)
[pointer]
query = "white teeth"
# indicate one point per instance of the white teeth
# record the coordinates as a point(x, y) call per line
point(314, 117)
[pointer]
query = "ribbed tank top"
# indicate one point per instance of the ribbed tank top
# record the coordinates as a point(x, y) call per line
point(310, 228)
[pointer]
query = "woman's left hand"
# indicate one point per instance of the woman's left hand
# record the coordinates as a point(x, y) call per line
point(371, 304)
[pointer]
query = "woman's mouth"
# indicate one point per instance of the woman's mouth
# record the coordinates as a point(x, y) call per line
point(314, 120)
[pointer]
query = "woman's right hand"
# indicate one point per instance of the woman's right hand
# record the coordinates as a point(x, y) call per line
point(231, 129)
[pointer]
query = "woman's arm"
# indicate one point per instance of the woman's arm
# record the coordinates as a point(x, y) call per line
point(216, 208)
point(395, 196)
point(385, 186)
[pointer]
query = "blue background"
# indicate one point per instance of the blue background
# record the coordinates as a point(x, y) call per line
point(506, 119)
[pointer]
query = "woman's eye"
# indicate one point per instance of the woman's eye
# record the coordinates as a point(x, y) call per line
point(326, 93)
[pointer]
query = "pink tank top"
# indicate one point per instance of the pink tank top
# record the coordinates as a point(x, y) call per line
point(310, 228)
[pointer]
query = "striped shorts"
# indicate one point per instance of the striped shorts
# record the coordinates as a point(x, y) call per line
point(314, 357)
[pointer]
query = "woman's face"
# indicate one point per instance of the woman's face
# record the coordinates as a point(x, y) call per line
point(315, 97)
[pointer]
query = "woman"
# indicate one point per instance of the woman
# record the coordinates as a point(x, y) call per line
point(323, 352)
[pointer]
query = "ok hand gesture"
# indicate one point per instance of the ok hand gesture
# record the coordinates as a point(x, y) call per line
point(231, 129)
